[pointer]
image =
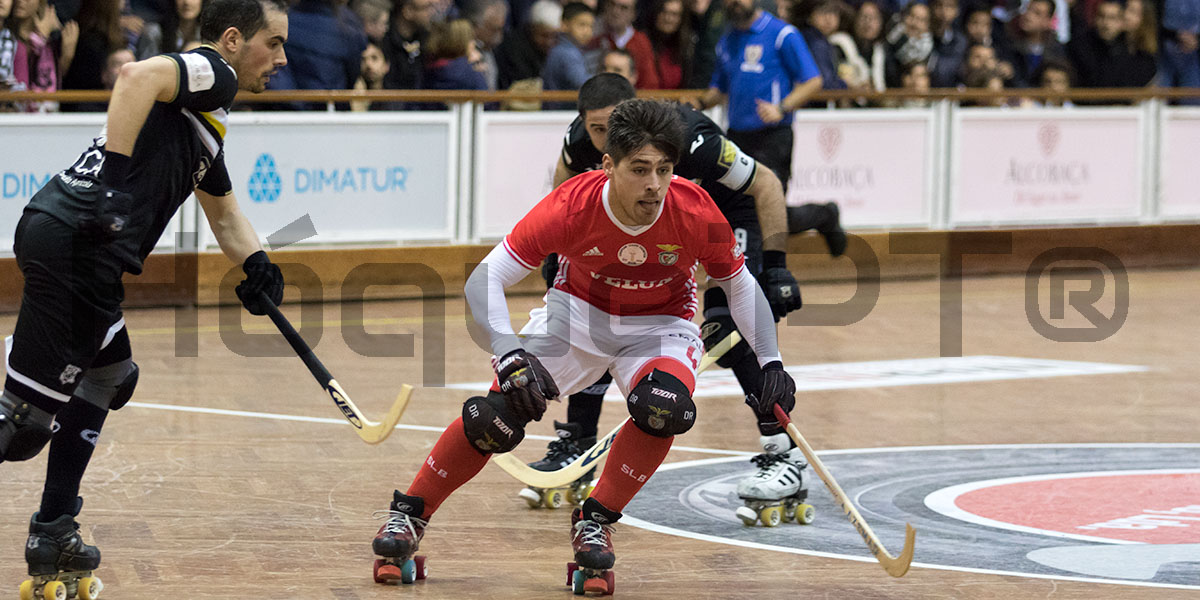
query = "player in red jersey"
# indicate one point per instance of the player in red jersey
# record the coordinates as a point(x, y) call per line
point(629, 238)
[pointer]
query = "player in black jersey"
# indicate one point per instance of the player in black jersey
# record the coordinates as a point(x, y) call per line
point(69, 360)
point(752, 200)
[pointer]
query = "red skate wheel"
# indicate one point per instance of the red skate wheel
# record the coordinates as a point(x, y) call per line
point(596, 584)
point(611, 580)
point(420, 561)
point(571, 568)
point(385, 572)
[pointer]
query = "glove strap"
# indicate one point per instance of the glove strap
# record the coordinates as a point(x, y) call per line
point(115, 170)
point(258, 258)
point(774, 259)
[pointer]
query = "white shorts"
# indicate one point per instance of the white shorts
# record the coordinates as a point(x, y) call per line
point(578, 342)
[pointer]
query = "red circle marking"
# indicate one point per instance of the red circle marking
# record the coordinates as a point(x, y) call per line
point(1148, 508)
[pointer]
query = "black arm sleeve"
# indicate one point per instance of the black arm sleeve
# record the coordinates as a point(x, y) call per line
point(216, 180)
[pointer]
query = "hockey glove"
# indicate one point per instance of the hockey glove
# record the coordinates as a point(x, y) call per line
point(261, 276)
point(778, 284)
point(109, 218)
point(778, 388)
point(526, 385)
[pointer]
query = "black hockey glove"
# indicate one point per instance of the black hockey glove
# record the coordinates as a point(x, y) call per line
point(109, 217)
point(778, 284)
point(526, 384)
point(261, 276)
point(778, 388)
point(550, 269)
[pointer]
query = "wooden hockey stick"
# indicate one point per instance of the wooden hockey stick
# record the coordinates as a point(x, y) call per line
point(370, 431)
point(564, 476)
point(896, 566)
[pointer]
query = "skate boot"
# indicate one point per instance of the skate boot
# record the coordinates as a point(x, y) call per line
point(591, 538)
point(560, 453)
point(776, 492)
point(398, 539)
point(60, 564)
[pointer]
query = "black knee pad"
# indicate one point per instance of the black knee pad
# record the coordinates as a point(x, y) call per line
point(661, 405)
point(109, 387)
point(489, 426)
point(24, 429)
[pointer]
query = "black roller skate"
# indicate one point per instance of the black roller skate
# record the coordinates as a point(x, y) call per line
point(560, 453)
point(398, 539)
point(591, 538)
point(776, 492)
point(60, 564)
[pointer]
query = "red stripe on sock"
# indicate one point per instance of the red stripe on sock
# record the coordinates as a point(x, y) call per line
point(634, 457)
point(452, 462)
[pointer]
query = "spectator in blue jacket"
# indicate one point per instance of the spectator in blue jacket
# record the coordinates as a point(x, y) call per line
point(566, 68)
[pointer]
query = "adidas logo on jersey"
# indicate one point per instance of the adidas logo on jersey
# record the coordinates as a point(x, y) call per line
point(595, 251)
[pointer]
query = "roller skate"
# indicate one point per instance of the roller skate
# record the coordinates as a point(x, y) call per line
point(560, 453)
point(591, 538)
point(60, 564)
point(398, 539)
point(776, 492)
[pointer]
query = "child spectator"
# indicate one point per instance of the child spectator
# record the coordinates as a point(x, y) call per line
point(566, 68)
point(1056, 76)
point(822, 21)
point(375, 16)
point(619, 62)
point(454, 59)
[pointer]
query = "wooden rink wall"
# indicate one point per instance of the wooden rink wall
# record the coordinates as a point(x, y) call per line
point(337, 274)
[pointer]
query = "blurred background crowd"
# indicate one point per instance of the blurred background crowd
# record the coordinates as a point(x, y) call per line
point(533, 45)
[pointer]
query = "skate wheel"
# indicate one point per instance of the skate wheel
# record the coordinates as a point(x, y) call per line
point(805, 514)
point(747, 516)
point(571, 568)
point(554, 498)
point(54, 590)
point(386, 572)
point(598, 585)
point(531, 497)
point(419, 562)
point(89, 588)
point(771, 516)
point(26, 590)
point(408, 571)
point(588, 493)
point(611, 580)
point(577, 582)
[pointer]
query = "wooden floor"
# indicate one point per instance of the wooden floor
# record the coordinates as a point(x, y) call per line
point(210, 505)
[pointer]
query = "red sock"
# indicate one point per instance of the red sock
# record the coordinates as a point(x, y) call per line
point(452, 462)
point(635, 454)
point(634, 457)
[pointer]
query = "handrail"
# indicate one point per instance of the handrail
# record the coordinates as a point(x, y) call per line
point(457, 96)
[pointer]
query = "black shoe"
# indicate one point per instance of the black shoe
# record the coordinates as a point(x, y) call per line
point(831, 230)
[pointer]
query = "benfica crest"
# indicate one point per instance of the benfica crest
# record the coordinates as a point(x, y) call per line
point(668, 256)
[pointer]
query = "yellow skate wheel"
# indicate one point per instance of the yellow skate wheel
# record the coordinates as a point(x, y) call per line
point(54, 590)
point(26, 592)
point(771, 515)
point(554, 498)
point(89, 588)
point(805, 514)
point(588, 493)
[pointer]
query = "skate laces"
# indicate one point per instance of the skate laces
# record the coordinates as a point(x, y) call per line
point(766, 460)
point(593, 533)
point(562, 447)
point(398, 522)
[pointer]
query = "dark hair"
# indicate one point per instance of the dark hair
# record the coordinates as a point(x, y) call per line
point(639, 122)
point(104, 17)
point(619, 52)
point(247, 16)
point(1053, 64)
point(574, 9)
point(1052, 6)
point(604, 90)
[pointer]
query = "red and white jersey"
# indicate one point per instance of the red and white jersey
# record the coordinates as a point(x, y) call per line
point(624, 270)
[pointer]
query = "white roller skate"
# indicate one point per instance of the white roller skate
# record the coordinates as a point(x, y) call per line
point(776, 493)
point(560, 453)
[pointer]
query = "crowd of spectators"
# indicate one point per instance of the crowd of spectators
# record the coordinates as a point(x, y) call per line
point(533, 45)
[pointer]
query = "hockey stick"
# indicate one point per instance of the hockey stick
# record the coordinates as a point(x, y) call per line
point(564, 476)
point(370, 431)
point(896, 566)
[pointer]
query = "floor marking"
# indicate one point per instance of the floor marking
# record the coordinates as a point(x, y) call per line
point(649, 526)
point(887, 373)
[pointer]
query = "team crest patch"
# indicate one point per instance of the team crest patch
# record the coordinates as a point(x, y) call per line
point(632, 254)
point(668, 256)
point(68, 375)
